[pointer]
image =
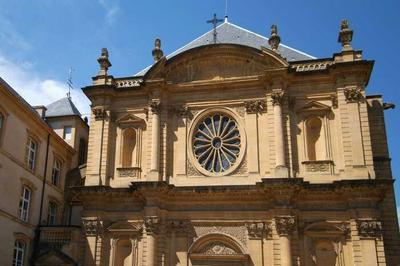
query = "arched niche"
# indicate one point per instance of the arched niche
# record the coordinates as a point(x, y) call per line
point(315, 138)
point(217, 249)
point(124, 238)
point(128, 151)
point(325, 244)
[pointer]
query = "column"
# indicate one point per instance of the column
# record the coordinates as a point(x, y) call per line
point(151, 225)
point(280, 165)
point(369, 231)
point(284, 227)
point(155, 140)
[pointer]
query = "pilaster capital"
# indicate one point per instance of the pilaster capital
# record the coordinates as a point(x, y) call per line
point(278, 97)
point(99, 113)
point(369, 228)
point(155, 106)
point(152, 224)
point(92, 227)
point(353, 94)
point(285, 225)
point(255, 106)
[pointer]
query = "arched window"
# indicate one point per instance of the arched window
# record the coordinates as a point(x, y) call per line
point(123, 254)
point(315, 139)
point(128, 155)
point(19, 253)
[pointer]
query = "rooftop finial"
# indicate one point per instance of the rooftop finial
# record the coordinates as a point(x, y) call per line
point(274, 40)
point(103, 62)
point(345, 35)
point(157, 52)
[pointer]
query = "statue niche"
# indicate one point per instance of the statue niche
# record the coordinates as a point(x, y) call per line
point(128, 148)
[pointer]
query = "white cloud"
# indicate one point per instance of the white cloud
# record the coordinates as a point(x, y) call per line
point(111, 8)
point(38, 90)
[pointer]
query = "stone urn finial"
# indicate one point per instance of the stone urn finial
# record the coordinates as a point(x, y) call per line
point(104, 63)
point(274, 40)
point(157, 52)
point(345, 35)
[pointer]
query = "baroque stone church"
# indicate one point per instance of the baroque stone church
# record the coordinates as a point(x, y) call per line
point(237, 150)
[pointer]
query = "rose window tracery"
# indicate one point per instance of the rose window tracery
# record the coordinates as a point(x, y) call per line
point(217, 143)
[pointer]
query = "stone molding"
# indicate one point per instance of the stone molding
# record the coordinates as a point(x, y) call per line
point(278, 97)
point(353, 95)
point(152, 224)
point(369, 228)
point(256, 106)
point(285, 225)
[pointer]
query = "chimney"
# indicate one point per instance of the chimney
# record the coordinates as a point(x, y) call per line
point(41, 110)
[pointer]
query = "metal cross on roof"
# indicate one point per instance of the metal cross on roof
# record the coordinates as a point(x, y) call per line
point(215, 21)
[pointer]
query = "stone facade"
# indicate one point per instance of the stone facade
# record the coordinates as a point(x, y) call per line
point(231, 155)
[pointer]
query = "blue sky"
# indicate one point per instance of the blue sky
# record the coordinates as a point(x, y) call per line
point(40, 40)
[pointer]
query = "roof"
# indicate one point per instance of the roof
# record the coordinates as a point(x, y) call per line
point(229, 33)
point(62, 107)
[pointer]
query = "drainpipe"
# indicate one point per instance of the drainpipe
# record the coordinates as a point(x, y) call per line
point(37, 230)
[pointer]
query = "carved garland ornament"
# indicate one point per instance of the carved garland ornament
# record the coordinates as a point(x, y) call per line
point(253, 107)
point(257, 229)
point(217, 248)
point(152, 224)
point(92, 226)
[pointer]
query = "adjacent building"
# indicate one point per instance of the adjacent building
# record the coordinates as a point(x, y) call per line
point(34, 164)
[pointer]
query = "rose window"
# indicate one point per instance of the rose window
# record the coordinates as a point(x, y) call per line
point(216, 143)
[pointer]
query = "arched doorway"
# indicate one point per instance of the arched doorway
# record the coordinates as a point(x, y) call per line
point(217, 250)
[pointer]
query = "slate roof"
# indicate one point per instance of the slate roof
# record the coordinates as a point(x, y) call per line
point(233, 34)
point(62, 107)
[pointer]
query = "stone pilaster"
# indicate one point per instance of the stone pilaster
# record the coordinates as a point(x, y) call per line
point(155, 141)
point(152, 224)
point(285, 225)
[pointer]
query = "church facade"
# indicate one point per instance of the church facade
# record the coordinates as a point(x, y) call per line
point(237, 150)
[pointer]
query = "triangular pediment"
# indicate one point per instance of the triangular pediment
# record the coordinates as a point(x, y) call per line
point(216, 62)
point(129, 119)
point(124, 226)
point(314, 106)
point(54, 257)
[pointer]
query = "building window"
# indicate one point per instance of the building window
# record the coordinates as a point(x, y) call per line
point(52, 213)
point(31, 148)
point(19, 253)
point(67, 132)
point(82, 151)
point(315, 139)
point(128, 147)
point(24, 203)
point(217, 143)
point(56, 173)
